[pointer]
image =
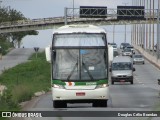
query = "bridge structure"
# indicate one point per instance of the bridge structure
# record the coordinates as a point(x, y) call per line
point(139, 36)
point(72, 15)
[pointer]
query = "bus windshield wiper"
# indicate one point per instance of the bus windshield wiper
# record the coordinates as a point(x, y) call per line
point(76, 65)
point(87, 71)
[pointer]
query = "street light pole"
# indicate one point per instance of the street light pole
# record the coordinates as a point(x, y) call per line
point(125, 32)
point(73, 9)
point(125, 24)
point(113, 32)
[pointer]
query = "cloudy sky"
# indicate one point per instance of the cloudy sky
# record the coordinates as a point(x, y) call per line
point(54, 8)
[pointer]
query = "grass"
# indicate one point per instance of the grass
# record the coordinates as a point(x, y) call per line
point(24, 80)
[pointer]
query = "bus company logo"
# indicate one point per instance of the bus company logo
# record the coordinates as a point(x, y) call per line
point(70, 83)
point(91, 83)
point(6, 114)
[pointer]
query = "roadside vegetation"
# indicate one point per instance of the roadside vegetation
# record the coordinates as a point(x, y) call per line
point(23, 80)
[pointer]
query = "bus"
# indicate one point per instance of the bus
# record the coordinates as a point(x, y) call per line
point(79, 66)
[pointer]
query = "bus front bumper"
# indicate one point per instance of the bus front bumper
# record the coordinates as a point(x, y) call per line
point(78, 95)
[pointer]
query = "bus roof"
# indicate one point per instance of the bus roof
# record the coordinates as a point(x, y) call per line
point(79, 29)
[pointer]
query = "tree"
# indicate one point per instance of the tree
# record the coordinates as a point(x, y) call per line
point(17, 36)
point(4, 16)
point(12, 15)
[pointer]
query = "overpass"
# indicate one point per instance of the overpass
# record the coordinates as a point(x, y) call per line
point(73, 16)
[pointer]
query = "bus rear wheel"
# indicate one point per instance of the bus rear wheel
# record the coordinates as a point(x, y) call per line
point(59, 104)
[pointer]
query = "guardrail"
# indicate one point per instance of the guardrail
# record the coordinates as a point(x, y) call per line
point(32, 22)
point(43, 23)
point(73, 16)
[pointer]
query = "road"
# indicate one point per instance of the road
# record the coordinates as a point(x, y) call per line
point(14, 57)
point(141, 96)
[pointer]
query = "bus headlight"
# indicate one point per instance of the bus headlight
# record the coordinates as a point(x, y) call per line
point(102, 86)
point(58, 86)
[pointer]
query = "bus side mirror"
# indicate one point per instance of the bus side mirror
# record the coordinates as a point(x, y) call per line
point(48, 54)
point(134, 69)
point(158, 81)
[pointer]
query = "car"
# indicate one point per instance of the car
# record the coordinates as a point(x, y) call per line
point(138, 58)
point(114, 45)
point(123, 45)
point(127, 52)
point(130, 47)
point(122, 69)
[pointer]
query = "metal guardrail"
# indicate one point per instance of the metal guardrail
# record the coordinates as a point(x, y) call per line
point(37, 24)
point(72, 16)
point(30, 24)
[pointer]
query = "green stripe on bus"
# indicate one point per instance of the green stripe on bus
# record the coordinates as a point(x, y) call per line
point(98, 82)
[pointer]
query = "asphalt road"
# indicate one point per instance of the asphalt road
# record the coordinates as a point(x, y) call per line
point(14, 57)
point(143, 95)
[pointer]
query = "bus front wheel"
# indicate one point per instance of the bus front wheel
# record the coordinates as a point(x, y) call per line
point(59, 104)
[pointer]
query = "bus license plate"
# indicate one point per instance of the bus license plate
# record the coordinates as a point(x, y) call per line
point(122, 80)
point(80, 94)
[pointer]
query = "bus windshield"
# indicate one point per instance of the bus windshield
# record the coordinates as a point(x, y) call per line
point(79, 57)
point(80, 64)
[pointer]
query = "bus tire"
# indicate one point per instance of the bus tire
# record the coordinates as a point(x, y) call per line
point(100, 103)
point(59, 104)
point(95, 104)
point(112, 82)
point(103, 103)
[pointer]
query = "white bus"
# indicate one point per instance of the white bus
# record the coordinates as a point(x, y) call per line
point(79, 62)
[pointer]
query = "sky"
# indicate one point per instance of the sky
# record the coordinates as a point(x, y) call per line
point(54, 8)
